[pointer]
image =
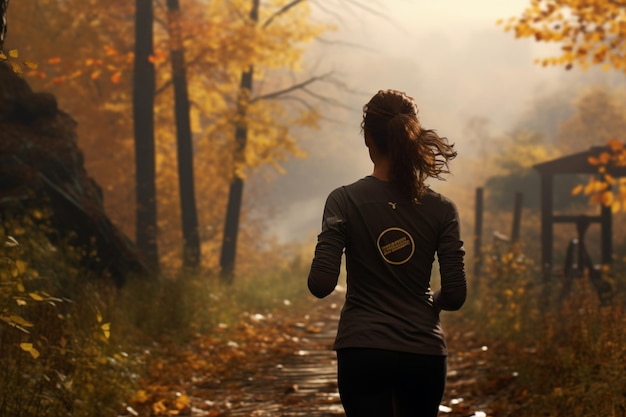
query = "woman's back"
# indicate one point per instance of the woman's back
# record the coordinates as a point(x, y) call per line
point(390, 245)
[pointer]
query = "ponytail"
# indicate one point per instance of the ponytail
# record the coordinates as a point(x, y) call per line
point(390, 118)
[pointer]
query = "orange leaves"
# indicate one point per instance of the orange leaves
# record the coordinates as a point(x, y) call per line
point(592, 30)
point(605, 189)
point(110, 51)
point(116, 77)
point(186, 378)
point(157, 57)
point(113, 64)
point(601, 160)
point(616, 147)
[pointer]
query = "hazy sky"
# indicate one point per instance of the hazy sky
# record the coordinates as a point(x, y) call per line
point(449, 55)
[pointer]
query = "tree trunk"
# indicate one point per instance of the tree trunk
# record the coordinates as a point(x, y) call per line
point(143, 121)
point(233, 211)
point(191, 240)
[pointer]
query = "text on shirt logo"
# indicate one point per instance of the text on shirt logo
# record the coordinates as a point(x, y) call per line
point(395, 245)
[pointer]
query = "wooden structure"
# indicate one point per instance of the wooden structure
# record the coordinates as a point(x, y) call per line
point(572, 164)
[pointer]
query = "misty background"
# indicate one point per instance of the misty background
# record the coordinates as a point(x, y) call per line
point(472, 81)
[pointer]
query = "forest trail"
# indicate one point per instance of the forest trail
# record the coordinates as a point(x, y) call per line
point(304, 383)
point(283, 365)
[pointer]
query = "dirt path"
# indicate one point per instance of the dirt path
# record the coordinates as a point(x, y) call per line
point(306, 381)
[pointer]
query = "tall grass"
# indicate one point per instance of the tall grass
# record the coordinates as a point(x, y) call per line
point(180, 307)
point(567, 353)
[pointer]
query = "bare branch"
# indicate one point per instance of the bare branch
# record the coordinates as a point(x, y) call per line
point(299, 86)
point(300, 100)
point(362, 6)
point(351, 4)
point(343, 43)
point(282, 10)
point(328, 100)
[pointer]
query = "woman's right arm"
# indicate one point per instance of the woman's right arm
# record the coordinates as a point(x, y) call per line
point(326, 264)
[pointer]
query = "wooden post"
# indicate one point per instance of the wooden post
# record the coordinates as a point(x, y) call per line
point(517, 217)
point(606, 224)
point(478, 234)
point(546, 226)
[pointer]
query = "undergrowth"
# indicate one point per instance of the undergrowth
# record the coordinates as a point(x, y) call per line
point(556, 354)
point(72, 344)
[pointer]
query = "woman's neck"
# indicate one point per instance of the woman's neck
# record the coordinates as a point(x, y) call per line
point(382, 170)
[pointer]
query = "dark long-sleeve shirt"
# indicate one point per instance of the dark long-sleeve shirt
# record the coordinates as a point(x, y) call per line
point(390, 245)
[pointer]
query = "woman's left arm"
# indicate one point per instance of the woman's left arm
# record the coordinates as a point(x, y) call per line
point(450, 253)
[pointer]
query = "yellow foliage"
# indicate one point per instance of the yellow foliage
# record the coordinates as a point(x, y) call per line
point(31, 65)
point(28, 347)
point(594, 29)
point(16, 321)
point(220, 42)
point(600, 188)
point(159, 407)
point(16, 67)
point(607, 199)
point(106, 330)
point(182, 401)
point(35, 296)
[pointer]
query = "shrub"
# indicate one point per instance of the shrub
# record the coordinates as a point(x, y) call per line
point(56, 357)
point(567, 354)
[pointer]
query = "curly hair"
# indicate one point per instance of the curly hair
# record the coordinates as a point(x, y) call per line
point(416, 154)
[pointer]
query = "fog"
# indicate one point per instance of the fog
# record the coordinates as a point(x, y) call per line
point(456, 62)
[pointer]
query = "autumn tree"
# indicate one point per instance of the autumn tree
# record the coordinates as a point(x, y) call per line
point(143, 124)
point(265, 32)
point(608, 187)
point(590, 32)
point(235, 193)
point(90, 70)
point(184, 146)
point(87, 68)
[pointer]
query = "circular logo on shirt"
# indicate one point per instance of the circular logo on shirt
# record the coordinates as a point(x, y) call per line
point(395, 245)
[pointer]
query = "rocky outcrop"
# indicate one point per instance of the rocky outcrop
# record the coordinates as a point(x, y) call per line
point(41, 167)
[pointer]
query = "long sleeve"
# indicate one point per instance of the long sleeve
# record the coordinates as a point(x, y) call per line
point(326, 263)
point(450, 253)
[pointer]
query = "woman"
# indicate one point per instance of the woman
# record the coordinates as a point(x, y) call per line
point(390, 346)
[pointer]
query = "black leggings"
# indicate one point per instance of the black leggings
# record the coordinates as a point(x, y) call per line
point(384, 383)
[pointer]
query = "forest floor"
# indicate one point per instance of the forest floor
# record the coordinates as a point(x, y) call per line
point(282, 365)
